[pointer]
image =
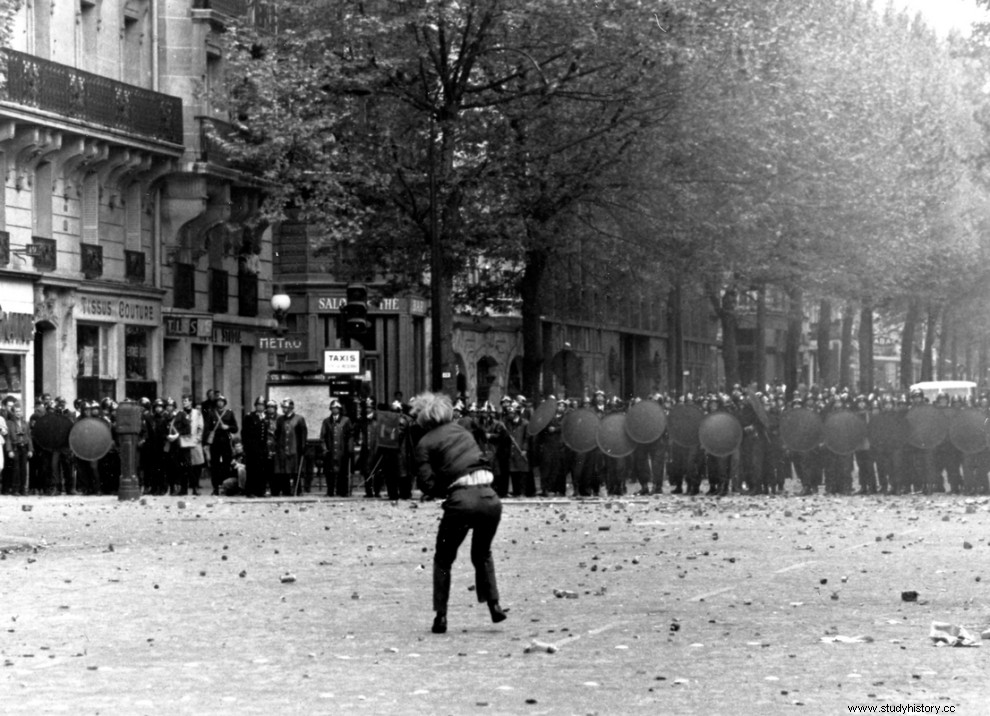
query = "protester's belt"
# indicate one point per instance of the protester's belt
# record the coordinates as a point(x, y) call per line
point(474, 479)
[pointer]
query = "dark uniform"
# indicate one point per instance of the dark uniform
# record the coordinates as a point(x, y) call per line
point(290, 440)
point(336, 446)
point(259, 442)
point(18, 450)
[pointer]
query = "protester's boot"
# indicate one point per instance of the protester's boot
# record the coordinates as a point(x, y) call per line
point(441, 594)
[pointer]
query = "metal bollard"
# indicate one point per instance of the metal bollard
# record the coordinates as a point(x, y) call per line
point(129, 416)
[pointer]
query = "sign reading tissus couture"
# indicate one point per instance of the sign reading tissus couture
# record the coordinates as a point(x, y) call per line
point(126, 310)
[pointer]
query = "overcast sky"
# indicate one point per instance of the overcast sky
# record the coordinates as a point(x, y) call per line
point(944, 15)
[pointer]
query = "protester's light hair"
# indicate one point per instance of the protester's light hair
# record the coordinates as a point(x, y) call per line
point(432, 409)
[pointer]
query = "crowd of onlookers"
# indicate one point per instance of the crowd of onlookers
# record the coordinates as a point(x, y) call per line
point(365, 448)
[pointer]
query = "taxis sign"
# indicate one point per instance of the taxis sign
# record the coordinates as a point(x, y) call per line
point(341, 362)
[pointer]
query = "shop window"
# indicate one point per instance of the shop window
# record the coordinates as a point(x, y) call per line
point(136, 353)
point(92, 351)
point(11, 370)
point(136, 361)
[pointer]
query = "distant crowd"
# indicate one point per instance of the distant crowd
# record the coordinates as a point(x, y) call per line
point(369, 452)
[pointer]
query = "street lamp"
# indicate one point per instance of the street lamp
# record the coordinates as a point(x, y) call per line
point(280, 307)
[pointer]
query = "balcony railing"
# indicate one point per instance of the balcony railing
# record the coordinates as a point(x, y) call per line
point(83, 96)
point(46, 256)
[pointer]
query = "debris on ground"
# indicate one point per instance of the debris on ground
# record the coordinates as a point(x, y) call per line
point(537, 646)
point(946, 634)
point(839, 639)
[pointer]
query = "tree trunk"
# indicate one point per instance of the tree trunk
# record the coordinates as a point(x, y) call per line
point(675, 348)
point(845, 352)
point(907, 342)
point(792, 348)
point(944, 341)
point(979, 377)
point(927, 372)
point(730, 344)
point(532, 326)
point(866, 347)
point(760, 344)
point(823, 337)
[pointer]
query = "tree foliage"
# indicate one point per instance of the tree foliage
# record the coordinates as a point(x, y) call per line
point(824, 146)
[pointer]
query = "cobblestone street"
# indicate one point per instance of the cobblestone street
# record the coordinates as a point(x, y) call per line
point(640, 605)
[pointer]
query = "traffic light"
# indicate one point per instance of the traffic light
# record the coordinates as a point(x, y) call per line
point(356, 309)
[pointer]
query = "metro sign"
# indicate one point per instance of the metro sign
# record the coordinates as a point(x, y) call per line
point(341, 362)
point(282, 344)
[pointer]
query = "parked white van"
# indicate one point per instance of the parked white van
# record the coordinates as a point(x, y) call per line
point(934, 388)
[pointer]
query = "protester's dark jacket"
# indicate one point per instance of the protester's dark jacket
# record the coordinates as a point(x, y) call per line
point(444, 454)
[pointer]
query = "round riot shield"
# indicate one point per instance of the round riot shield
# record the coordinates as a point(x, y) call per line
point(51, 431)
point(683, 424)
point(928, 426)
point(612, 438)
point(645, 422)
point(720, 434)
point(541, 417)
point(843, 432)
point(800, 429)
point(90, 438)
point(579, 430)
point(968, 431)
point(888, 431)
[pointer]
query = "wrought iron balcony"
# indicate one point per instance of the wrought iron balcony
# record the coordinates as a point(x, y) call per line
point(46, 254)
point(83, 96)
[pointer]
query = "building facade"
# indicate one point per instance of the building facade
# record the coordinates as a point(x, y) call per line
point(394, 349)
point(135, 252)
